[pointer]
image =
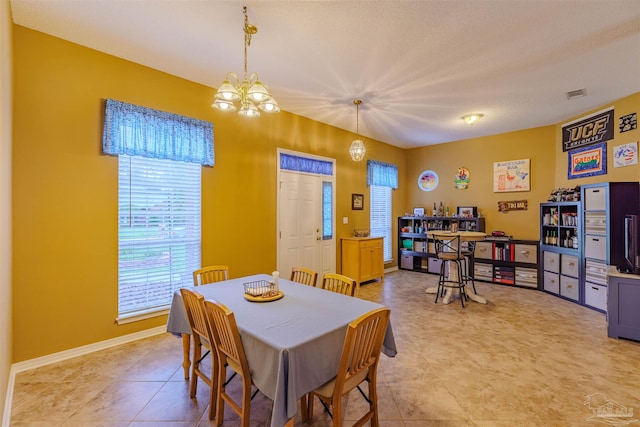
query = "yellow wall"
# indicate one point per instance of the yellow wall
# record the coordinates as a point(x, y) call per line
point(549, 164)
point(478, 156)
point(5, 204)
point(622, 107)
point(65, 191)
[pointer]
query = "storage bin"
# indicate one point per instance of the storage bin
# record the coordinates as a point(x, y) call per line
point(595, 272)
point(595, 198)
point(434, 265)
point(526, 253)
point(406, 261)
point(551, 261)
point(595, 247)
point(484, 250)
point(569, 265)
point(595, 223)
point(527, 277)
point(595, 296)
point(551, 282)
point(569, 287)
point(483, 271)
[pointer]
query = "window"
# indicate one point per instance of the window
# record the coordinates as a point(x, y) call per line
point(160, 156)
point(382, 178)
point(158, 231)
point(327, 210)
point(380, 216)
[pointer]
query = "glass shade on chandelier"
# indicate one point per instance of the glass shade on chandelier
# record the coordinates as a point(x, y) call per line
point(357, 150)
point(251, 94)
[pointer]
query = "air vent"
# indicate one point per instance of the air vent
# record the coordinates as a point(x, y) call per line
point(579, 93)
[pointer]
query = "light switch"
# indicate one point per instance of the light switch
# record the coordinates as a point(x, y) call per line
point(345, 220)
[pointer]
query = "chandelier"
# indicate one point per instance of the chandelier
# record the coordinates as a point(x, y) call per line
point(357, 149)
point(250, 93)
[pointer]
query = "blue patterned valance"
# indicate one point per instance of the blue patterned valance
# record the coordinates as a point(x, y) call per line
point(383, 174)
point(138, 131)
point(305, 164)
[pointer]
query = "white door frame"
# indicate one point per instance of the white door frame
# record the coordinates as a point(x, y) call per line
point(329, 246)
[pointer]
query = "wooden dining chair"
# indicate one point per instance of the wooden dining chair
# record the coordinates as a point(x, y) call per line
point(358, 363)
point(230, 350)
point(339, 283)
point(211, 274)
point(304, 275)
point(202, 337)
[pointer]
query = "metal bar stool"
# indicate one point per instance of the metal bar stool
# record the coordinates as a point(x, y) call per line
point(468, 251)
point(448, 249)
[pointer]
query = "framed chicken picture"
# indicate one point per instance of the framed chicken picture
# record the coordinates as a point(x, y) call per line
point(511, 175)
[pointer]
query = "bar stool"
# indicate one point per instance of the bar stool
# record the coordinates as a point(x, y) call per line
point(468, 250)
point(448, 249)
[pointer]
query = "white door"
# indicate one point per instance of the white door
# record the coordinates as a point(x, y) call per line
point(300, 241)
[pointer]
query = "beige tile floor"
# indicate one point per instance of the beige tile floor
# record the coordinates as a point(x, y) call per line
point(524, 359)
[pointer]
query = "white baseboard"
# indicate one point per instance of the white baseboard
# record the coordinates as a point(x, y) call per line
point(68, 354)
point(390, 269)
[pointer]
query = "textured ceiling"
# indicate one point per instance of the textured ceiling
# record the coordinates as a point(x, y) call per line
point(418, 66)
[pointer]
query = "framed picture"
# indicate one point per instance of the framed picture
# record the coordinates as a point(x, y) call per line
point(588, 161)
point(511, 175)
point(467, 211)
point(418, 211)
point(357, 202)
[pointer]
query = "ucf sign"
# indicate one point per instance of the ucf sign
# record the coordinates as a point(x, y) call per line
point(590, 130)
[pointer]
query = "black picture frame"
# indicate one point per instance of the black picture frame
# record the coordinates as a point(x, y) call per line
point(467, 211)
point(357, 202)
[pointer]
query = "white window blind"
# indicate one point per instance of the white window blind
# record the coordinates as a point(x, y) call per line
point(380, 216)
point(158, 231)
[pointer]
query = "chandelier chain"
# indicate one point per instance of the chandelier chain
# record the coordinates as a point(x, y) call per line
point(357, 102)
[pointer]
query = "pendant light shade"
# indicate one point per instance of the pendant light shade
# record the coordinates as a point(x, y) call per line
point(357, 150)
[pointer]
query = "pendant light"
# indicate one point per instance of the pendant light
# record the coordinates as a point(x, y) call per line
point(357, 149)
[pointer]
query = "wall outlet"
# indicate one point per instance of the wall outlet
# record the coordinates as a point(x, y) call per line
point(345, 220)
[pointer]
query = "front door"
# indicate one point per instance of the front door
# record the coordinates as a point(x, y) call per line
point(300, 214)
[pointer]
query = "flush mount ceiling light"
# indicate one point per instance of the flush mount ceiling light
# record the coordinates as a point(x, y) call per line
point(472, 119)
point(251, 93)
point(357, 149)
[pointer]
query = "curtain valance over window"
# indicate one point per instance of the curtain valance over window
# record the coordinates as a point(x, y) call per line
point(383, 174)
point(305, 164)
point(138, 131)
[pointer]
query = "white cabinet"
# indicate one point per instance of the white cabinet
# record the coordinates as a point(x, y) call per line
point(604, 208)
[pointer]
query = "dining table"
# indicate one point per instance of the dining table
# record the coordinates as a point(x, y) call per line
point(462, 236)
point(293, 345)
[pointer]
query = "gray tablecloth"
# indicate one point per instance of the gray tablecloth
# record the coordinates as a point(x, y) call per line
point(293, 345)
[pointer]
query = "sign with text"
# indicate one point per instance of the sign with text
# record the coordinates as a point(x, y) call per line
point(588, 161)
point(511, 175)
point(514, 205)
point(593, 129)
